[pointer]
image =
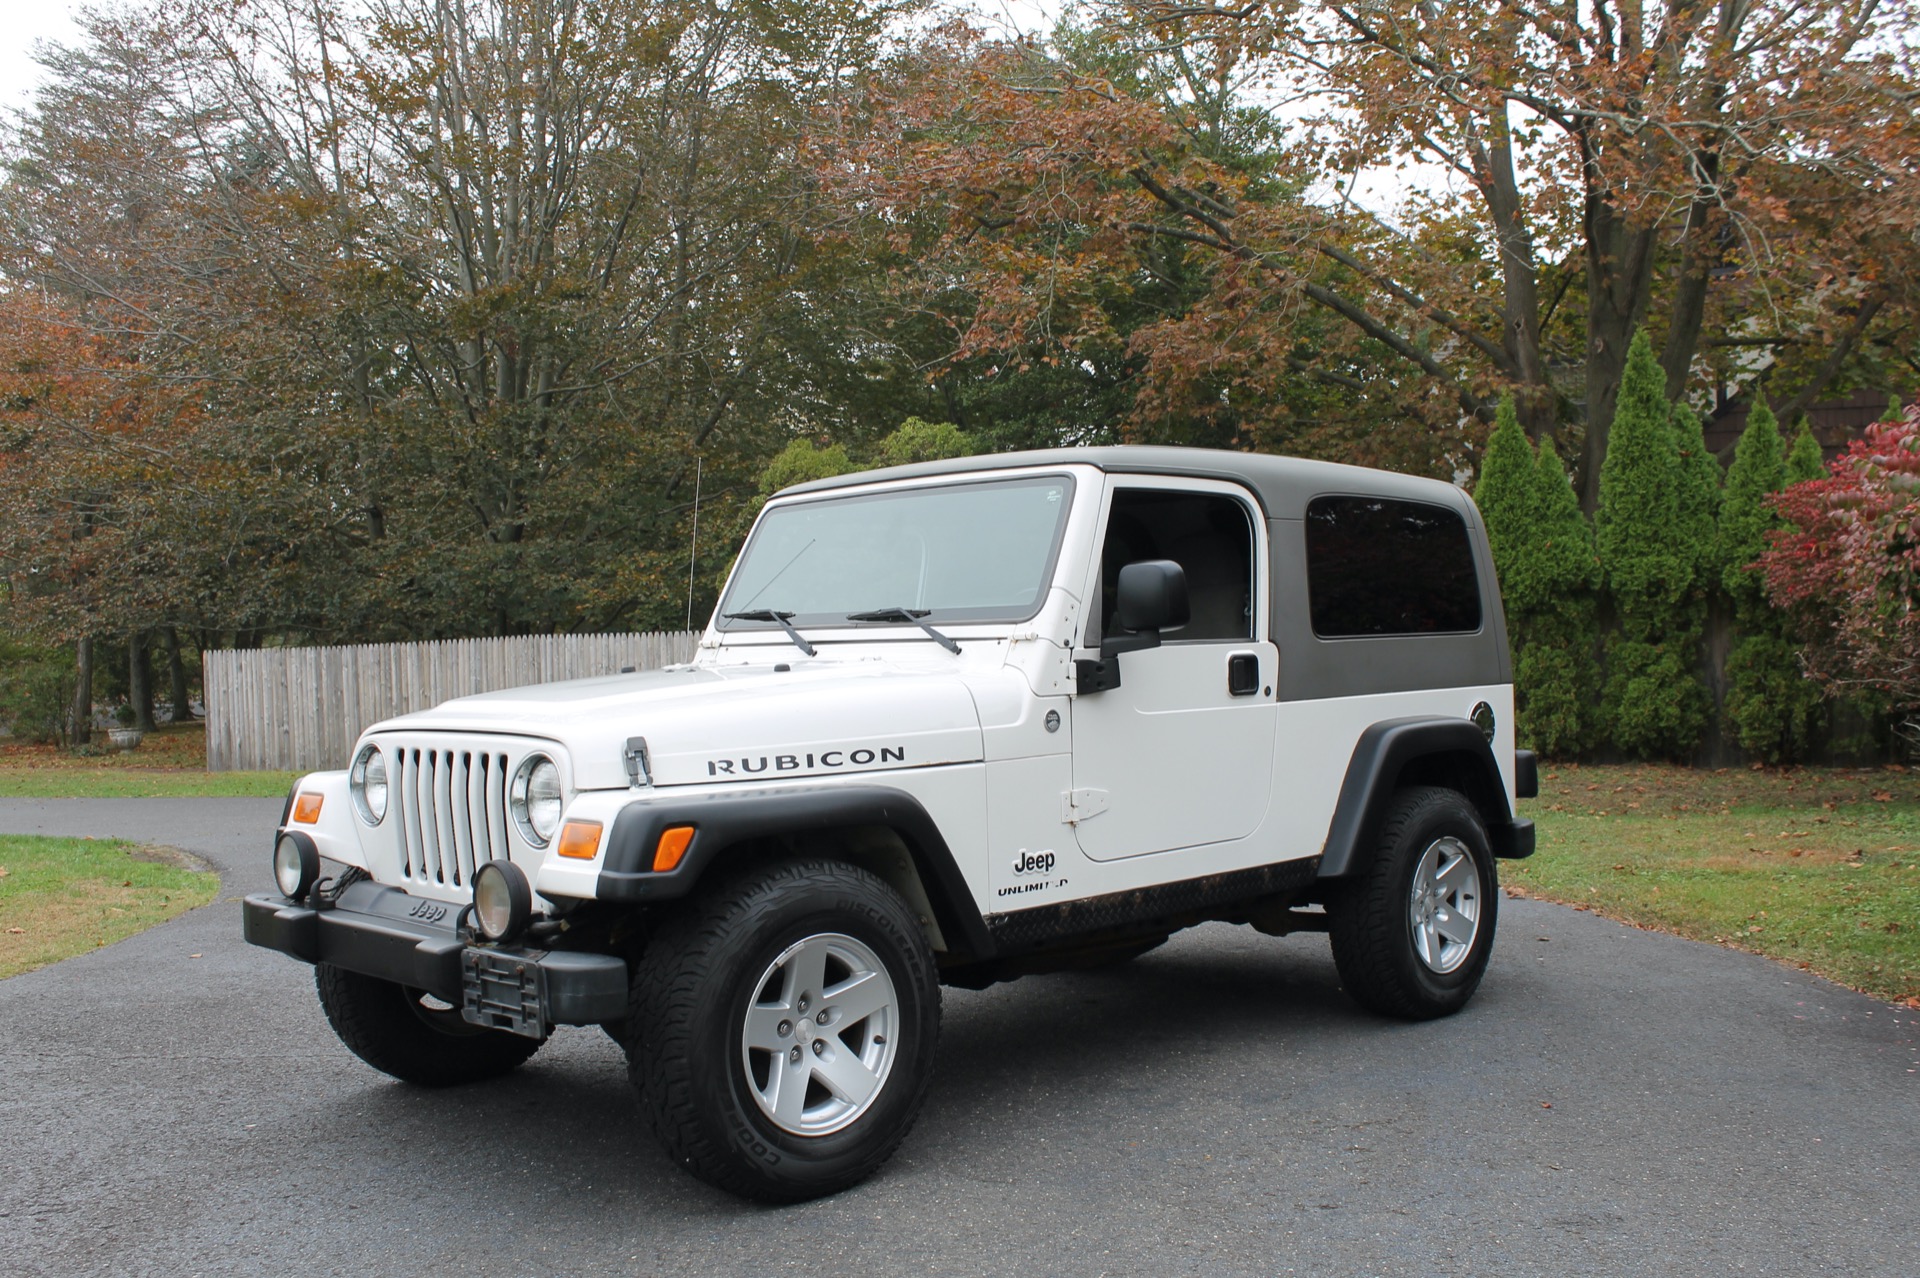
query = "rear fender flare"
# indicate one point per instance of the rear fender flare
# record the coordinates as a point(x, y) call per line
point(1424, 751)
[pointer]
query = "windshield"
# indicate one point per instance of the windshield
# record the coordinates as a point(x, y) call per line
point(960, 552)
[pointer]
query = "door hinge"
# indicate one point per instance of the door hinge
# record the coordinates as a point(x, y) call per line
point(1082, 804)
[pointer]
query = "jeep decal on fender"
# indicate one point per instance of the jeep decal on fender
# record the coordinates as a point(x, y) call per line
point(858, 758)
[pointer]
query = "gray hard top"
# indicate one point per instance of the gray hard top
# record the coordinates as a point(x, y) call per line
point(1283, 485)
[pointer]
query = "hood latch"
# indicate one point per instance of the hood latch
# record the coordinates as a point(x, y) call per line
point(639, 766)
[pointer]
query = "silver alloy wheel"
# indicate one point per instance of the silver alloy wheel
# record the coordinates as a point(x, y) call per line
point(820, 1035)
point(1444, 907)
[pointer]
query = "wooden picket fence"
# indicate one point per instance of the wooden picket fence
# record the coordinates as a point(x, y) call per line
point(303, 708)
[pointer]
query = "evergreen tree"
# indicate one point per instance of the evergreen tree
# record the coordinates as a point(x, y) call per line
point(1805, 460)
point(1543, 550)
point(1771, 706)
point(1698, 497)
point(1505, 496)
point(1759, 467)
point(1654, 702)
point(1555, 673)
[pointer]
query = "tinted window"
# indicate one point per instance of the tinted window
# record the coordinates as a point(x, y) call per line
point(1377, 567)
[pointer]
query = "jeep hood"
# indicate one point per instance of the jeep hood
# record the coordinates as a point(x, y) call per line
point(705, 725)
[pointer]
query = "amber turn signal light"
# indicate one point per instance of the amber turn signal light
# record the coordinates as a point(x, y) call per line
point(580, 839)
point(306, 809)
point(673, 844)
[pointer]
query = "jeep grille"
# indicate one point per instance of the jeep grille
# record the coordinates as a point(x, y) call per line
point(452, 809)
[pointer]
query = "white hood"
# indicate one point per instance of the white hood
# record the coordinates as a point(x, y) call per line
point(706, 725)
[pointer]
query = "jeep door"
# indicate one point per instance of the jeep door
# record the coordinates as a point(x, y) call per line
point(1181, 754)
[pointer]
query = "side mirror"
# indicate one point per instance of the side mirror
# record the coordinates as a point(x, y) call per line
point(1151, 596)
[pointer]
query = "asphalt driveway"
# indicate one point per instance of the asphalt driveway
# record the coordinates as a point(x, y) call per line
point(1613, 1102)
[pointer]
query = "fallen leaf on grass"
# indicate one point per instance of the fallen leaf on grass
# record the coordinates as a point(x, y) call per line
point(16, 931)
point(1882, 796)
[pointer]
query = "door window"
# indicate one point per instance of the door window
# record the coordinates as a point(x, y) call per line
point(1209, 535)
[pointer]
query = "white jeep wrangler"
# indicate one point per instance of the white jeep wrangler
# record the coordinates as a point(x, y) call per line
point(952, 723)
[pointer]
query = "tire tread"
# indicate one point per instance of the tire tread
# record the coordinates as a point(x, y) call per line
point(681, 965)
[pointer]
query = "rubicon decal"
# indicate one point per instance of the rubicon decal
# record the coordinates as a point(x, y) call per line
point(754, 765)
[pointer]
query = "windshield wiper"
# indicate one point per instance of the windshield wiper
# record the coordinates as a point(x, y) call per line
point(908, 615)
point(768, 614)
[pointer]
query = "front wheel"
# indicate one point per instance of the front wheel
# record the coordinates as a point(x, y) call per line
point(1411, 937)
point(782, 1031)
point(412, 1035)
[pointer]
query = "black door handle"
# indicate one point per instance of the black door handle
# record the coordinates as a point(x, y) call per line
point(1243, 674)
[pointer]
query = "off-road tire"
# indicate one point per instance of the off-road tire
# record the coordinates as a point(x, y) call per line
point(692, 996)
point(389, 1027)
point(1371, 921)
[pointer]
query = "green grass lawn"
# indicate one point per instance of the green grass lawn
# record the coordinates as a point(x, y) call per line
point(62, 897)
point(172, 761)
point(1817, 867)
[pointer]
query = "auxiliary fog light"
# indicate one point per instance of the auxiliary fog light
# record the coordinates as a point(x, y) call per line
point(502, 901)
point(296, 864)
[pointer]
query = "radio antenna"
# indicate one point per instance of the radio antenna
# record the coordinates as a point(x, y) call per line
point(694, 549)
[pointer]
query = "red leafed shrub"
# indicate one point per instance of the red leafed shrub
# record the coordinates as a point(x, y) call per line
point(1848, 569)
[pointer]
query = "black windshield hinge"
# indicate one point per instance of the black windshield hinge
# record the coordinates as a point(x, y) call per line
point(1096, 676)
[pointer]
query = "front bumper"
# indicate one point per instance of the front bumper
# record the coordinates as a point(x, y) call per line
point(382, 932)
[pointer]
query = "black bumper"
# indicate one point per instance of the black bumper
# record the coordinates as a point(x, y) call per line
point(1512, 841)
point(381, 931)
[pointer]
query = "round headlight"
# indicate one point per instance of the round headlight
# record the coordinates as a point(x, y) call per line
point(296, 864)
point(502, 900)
point(536, 799)
point(368, 784)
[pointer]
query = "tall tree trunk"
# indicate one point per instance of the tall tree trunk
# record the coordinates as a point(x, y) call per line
point(177, 679)
point(1619, 269)
point(1687, 313)
point(82, 693)
point(140, 680)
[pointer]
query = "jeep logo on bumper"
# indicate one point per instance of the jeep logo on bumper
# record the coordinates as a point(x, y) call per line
point(753, 766)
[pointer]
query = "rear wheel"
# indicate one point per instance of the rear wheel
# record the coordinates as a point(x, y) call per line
point(1412, 936)
point(412, 1035)
point(782, 1030)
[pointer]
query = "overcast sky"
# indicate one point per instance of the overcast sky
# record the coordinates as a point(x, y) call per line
point(21, 23)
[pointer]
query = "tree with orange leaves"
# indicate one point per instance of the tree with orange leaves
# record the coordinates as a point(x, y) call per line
point(1740, 171)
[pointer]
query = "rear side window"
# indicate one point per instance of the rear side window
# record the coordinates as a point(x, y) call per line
point(1379, 567)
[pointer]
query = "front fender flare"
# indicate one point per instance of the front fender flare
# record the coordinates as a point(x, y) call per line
point(721, 821)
